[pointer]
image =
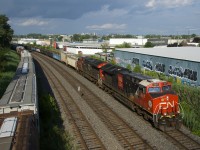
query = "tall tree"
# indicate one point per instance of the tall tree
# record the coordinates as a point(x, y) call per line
point(105, 47)
point(148, 45)
point(124, 45)
point(76, 38)
point(6, 32)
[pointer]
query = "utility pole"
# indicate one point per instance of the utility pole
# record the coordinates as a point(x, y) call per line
point(177, 39)
point(188, 35)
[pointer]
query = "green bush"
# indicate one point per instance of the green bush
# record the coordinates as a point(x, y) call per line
point(148, 45)
point(137, 69)
point(129, 67)
point(53, 135)
point(113, 62)
point(190, 100)
point(191, 118)
point(151, 73)
point(8, 65)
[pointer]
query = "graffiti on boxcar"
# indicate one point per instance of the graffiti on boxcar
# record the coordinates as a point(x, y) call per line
point(187, 76)
point(147, 64)
point(117, 60)
point(159, 67)
point(182, 75)
point(135, 61)
point(177, 71)
point(125, 61)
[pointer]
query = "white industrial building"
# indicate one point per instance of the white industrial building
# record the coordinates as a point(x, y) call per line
point(172, 41)
point(132, 41)
point(32, 41)
point(85, 49)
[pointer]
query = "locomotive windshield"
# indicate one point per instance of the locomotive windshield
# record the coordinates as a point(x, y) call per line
point(157, 89)
point(154, 89)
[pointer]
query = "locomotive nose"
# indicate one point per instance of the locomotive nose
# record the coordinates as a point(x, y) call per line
point(167, 105)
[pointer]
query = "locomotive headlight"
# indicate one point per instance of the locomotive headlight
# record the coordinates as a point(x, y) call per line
point(167, 98)
point(150, 103)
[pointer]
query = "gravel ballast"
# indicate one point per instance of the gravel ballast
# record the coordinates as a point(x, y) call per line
point(105, 135)
point(142, 127)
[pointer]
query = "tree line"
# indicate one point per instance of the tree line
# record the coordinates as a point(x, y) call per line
point(6, 32)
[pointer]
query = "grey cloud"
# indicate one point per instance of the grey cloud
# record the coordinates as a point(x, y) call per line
point(108, 26)
point(70, 9)
point(88, 15)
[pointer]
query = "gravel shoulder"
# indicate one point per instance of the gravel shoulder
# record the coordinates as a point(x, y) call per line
point(105, 135)
point(142, 127)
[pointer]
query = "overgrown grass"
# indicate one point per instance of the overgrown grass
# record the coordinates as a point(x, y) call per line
point(53, 135)
point(190, 101)
point(190, 118)
point(9, 61)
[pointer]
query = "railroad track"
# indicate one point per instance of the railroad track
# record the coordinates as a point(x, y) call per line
point(126, 136)
point(84, 133)
point(182, 141)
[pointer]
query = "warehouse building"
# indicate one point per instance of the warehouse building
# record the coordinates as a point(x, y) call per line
point(183, 63)
point(134, 42)
point(83, 48)
point(164, 41)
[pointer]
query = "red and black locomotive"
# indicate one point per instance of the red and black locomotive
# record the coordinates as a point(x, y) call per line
point(152, 98)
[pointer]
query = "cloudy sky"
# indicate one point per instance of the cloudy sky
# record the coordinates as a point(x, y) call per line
point(139, 17)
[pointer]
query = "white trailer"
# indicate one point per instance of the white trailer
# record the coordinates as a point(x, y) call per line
point(69, 59)
point(72, 61)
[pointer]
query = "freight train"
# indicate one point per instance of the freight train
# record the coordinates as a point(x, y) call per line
point(152, 98)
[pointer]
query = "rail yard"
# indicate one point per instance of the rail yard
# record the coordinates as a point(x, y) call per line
point(100, 75)
point(90, 112)
point(97, 122)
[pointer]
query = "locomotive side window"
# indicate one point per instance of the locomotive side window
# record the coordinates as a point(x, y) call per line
point(154, 89)
point(166, 88)
point(142, 90)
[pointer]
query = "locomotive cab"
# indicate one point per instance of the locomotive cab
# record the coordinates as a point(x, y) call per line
point(158, 98)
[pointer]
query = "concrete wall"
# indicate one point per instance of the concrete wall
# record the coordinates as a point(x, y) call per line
point(184, 71)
